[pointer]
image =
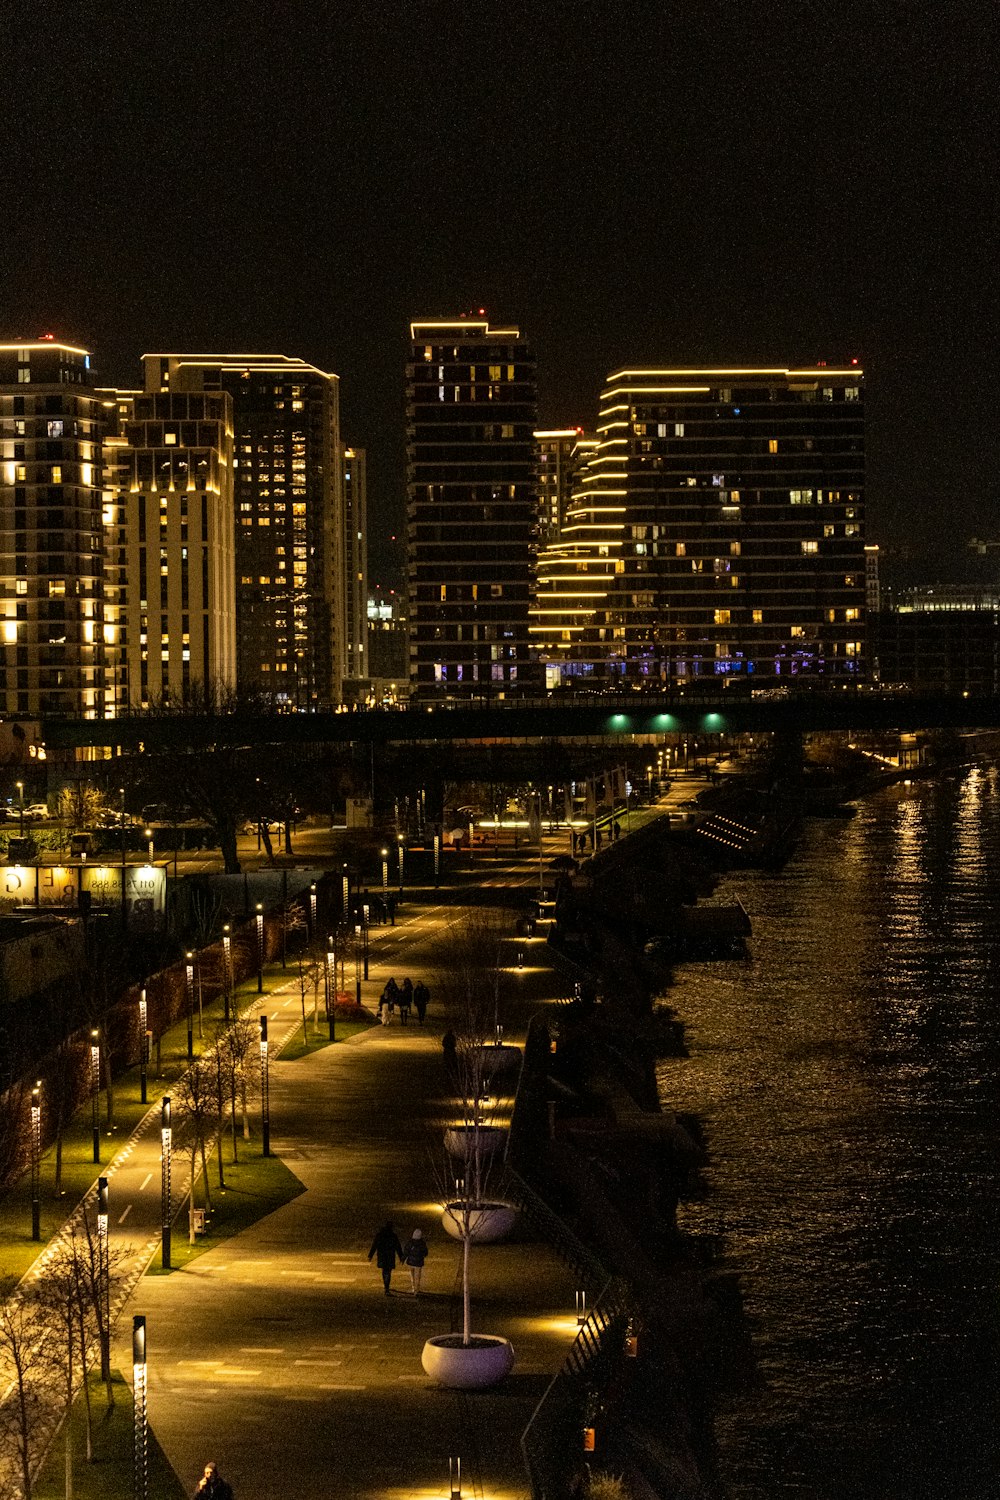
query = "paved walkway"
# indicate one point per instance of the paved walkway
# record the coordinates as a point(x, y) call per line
point(277, 1353)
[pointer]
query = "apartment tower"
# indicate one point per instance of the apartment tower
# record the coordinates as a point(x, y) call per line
point(472, 508)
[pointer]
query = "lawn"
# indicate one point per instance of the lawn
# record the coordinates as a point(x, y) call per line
point(109, 1477)
point(255, 1186)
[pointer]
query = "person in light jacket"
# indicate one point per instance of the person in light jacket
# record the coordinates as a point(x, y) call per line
point(414, 1255)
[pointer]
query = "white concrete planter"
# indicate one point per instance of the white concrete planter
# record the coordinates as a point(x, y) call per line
point(488, 1222)
point(499, 1060)
point(484, 1363)
point(464, 1141)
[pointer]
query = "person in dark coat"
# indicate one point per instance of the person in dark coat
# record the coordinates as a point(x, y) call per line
point(421, 995)
point(212, 1486)
point(386, 1250)
point(414, 1255)
point(405, 999)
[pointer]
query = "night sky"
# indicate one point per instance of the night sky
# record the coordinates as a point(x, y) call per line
point(631, 183)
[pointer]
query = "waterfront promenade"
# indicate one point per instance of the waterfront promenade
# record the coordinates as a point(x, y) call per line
point(277, 1353)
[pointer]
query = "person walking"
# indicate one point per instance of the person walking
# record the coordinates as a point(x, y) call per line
point(405, 1000)
point(414, 1255)
point(386, 1250)
point(212, 1486)
point(421, 995)
point(387, 1004)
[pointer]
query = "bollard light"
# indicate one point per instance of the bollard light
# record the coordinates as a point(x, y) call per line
point(520, 958)
point(189, 988)
point(140, 1429)
point(499, 1035)
point(331, 987)
point(260, 948)
point(36, 1160)
point(265, 1103)
point(165, 1150)
point(227, 964)
point(454, 1479)
point(95, 1088)
point(581, 1308)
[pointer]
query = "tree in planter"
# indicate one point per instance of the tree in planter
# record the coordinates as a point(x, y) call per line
point(471, 987)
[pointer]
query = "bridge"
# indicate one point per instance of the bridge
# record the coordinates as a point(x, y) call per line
point(603, 719)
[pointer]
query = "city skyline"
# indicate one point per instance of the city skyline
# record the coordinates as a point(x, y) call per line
point(635, 188)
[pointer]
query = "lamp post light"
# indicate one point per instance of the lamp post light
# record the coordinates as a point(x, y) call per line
point(143, 1046)
point(20, 794)
point(345, 893)
point(581, 1308)
point(385, 877)
point(121, 821)
point(331, 988)
point(437, 859)
point(36, 1160)
point(189, 989)
point(454, 1479)
point(104, 1274)
point(265, 1103)
point(312, 911)
point(364, 935)
point(95, 1089)
point(140, 1428)
point(401, 849)
point(260, 948)
point(166, 1137)
point(357, 964)
point(149, 844)
point(227, 966)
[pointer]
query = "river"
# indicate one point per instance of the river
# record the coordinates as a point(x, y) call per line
point(848, 1077)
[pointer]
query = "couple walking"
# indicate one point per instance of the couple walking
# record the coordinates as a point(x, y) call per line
point(387, 1250)
point(405, 995)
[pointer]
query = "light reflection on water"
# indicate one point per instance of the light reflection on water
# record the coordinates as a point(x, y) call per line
point(847, 1076)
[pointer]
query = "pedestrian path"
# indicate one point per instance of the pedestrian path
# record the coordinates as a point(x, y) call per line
point(277, 1353)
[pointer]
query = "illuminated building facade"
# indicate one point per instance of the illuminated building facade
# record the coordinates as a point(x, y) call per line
point(290, 522)
point(559, 452)
point(472, 508)
point(354, 478)
point(169, 489)
point(51, 532)
point(715, 532)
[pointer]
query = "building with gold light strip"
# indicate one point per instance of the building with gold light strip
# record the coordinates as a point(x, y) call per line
point(715, 532)
point(51, 533)
point(290, 522)
point(472, 508)
point(169, 569)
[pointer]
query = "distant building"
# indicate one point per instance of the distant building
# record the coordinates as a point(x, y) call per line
point(169, 492)
point(559, 451)
point(472, 508)
point(941, 638)
point(716, 532)
point(51, 533)
point(292, 628)
point(354, 586)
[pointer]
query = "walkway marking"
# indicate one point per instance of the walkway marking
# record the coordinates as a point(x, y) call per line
point(125, 1214)
point(326, 1364)
point(258, 1349)
point(341, 1387)
point(146, 1179)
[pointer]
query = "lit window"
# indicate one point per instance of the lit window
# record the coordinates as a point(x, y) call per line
point(772, 445)
point(21, 473)
point(21, 586)
point(797, 632)
point(57, 588)
point(851, 615)
point(852, 393)
point(810, 546)
point(722, 617)
point(55, 429)
point(681, 549)
point(170, 439)
point(678, 429)
point(734, 549)
point(507, 430)
point(758, 617)
point(57, 473)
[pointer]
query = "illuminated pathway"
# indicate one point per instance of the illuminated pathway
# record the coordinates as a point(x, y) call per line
point(277, 1353)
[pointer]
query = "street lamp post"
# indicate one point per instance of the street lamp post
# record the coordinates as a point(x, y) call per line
point(437, 859)
point(36, 1160)
point(331, 988)
point(140, 1430)
point(121, 793)
point(20, 794)
point(357, 963)
point(104, 1275)
point(364, 934)
point(143, 1047)
point(149, 844)
point(166, 1136)
point(189, 989)
point(312, 911)
point(385, 878)
point(265, 1104)
point(345, 893)
point(95, 1089)
point(400, 847)
point(260, 948)
point(227, 965)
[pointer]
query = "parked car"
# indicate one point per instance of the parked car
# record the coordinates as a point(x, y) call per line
point(35, 812)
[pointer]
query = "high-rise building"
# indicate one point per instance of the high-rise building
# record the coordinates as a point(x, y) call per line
point(472, 507)
point(170, 568)
point(51, 532)
point(355, 582)
point(559, 451)
point(290, 522)
point(717, 531)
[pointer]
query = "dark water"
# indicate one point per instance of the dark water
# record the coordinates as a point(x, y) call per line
point(849, 1079)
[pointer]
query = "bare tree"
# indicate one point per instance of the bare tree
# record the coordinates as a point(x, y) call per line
point(25, 1358)
point(197, 1106)
point(306, 970)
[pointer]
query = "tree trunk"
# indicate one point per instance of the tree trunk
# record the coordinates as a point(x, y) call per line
point(466, 1289)
point(204, 1173)
point(227, 843)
